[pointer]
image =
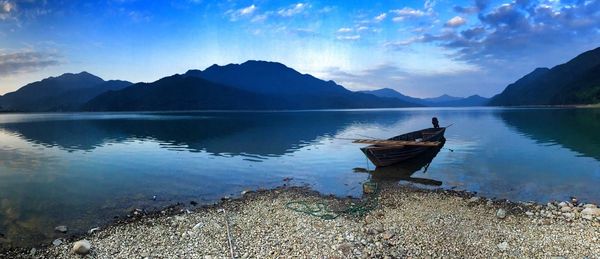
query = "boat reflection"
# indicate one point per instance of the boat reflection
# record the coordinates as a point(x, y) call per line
point(404, 171)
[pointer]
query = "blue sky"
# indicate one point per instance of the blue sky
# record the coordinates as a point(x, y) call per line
point(420, 48)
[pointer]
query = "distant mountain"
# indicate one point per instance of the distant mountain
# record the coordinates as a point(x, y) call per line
point(473, 100)
point(391, 93)
point(301, 91)
point(185, 92)
point(441, 101)
point(575, 82)
point(63, 93)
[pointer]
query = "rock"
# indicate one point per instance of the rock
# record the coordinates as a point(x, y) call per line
point(197, 226)
point(244, 192)
point(388, 235)
point(501, 214)
point(61, 229)
point(474, 199)
point(57, 242)
point(563, 204)
point(591, 211)
point(529, 213)
point(565, 209)
point(350, 237)
point(551, 206)
point(589, 205)
point(503, 246)
point(91, 231)
point(574, 201)
point(588, 217)
point(569, 215)
point(32, 252)
point(345, 248)
point(82, 247)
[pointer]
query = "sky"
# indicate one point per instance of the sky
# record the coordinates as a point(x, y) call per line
point(420, 48)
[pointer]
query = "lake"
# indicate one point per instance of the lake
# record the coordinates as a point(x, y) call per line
point(82, 169)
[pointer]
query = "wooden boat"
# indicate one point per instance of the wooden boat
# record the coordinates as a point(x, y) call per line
point(403, 147)
point(404, 171)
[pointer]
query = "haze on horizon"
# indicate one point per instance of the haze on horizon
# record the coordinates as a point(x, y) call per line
point(420, 48)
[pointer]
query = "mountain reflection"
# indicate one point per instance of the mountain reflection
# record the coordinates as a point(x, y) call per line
point(262, 134)
point(575, 129)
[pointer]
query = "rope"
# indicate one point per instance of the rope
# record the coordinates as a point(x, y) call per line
point(228, 234)
point(322, 209)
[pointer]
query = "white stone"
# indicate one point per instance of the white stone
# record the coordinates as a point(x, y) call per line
point(61, 229)
point(503, 246)
point(591, 211)
point(57, 242)
point(588, 217)
point(91, 231)
point(563, 204)
point(529, 213)
point(198, 226)
point(565, 209)
point(592, 206)
point(82, 247)
point(501, 213)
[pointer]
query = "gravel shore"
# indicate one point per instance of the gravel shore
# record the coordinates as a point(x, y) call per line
point(407, 223)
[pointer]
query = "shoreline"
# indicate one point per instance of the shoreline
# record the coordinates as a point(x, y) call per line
point(572, 106)
point(396, 228)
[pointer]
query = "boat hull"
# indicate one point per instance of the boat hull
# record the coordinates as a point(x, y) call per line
point(389, 155)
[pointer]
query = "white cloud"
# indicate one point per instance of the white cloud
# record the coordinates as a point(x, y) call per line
point(408, 12)
point(248, 10)
point(6, 9)
point(349, 37)
point(26, 61)
point(235, 15)
point(362, 28)
point(293, 10)
point(456, 21)
point(344, 30)
point(380, 17)
point(259, 18)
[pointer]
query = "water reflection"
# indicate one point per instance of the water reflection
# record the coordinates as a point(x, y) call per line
point(80, 170)
point(575, 129)
point(260, 134)
point(404, 171)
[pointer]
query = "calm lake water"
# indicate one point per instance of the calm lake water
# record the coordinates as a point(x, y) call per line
point(81, 170)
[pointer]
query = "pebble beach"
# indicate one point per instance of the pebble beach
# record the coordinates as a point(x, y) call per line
point(407, 222)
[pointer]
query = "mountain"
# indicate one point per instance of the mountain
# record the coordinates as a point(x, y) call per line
point(575, 82)
point(391, 93)
point(185, 92)
point(175, 93)
point(473, 100)
point(441, 101)
point(268, 78)
point(63, 93)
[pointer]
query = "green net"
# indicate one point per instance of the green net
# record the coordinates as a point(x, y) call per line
point(324, 210)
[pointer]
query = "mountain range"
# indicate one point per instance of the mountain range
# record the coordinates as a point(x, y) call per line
point(264, 85)
point(440, 101)
point(67, 92)
point(574, 82)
